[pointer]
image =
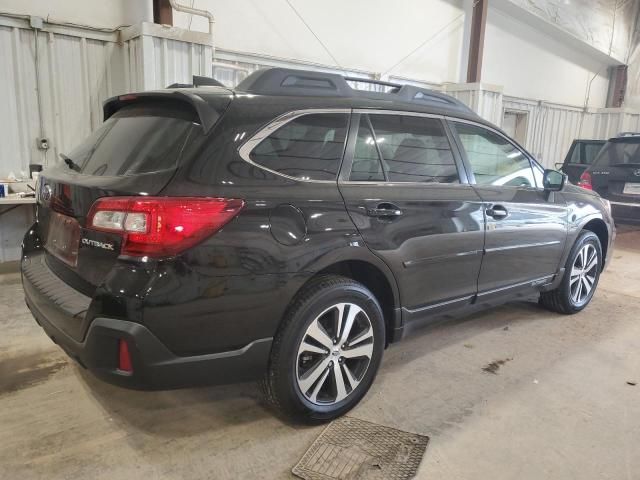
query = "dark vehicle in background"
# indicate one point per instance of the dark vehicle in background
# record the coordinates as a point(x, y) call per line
point(580, 155)
point(290, 230)
point(615, 175)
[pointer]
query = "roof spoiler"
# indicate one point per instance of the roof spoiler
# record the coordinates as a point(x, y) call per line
point(207, 114)
point(285, 81)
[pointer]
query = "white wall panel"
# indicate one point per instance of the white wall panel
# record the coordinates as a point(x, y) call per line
point(411, 38)
point(531, 64)
point(76, 75)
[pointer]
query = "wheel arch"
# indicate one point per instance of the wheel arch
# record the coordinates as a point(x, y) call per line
point(599, 227)
point(384, 289)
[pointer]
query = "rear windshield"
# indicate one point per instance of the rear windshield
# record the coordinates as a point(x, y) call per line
point(136, 139)
point(620, 152)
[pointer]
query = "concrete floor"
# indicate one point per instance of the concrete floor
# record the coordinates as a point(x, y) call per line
point(558, 407)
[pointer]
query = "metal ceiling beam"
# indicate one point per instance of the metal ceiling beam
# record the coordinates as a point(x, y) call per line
point(476, 40)
point(162, 12)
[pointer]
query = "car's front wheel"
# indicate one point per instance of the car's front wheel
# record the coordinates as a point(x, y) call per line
point(327, 351)
point(582, 272)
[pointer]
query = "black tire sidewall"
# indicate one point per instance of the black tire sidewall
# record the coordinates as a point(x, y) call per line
point(289, 392)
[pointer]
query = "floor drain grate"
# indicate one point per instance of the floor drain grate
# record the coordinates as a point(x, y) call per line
point(352, 449)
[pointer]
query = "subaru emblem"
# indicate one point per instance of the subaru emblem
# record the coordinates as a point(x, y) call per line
point(636, 172)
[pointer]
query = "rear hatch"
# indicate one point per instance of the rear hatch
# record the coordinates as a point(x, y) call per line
point(136, 152)
point(616, 171)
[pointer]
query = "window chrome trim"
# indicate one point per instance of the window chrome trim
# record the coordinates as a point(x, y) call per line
point(373, 111)
point(247, 147)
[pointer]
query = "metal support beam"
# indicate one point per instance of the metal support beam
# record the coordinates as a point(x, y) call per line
point(162, 12)
point(617, 86)
point(476, 42)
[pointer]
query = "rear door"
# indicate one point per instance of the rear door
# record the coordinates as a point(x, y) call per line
point(580, 156)
point(135, 152)
point(526, 227)
point(408, 196)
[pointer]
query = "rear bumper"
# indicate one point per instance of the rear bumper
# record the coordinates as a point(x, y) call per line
point(625, 212)
point(154, 366)
point(61, 312)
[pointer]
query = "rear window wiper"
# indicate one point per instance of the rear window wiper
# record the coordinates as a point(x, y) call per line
point(70, 163)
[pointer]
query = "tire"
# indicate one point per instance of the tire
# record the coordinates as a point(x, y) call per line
point(292, 383)
point(563, 298)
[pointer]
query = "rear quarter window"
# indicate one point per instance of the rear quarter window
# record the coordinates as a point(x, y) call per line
point(135, 140)
point(309, 147)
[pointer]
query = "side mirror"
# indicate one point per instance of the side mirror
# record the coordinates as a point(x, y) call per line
point(553, 180)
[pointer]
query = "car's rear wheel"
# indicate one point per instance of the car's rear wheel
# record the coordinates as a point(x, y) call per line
point(327, 352)
point(582, 272)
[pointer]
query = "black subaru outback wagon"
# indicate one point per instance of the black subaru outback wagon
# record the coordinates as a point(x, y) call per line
point(290, 230)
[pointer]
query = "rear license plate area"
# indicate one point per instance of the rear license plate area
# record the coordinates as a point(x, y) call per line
point(63, 238)
point(631, 189)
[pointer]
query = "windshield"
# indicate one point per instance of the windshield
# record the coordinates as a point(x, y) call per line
point(136, 139)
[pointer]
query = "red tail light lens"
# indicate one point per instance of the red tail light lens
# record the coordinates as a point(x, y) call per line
point(124, 358)
point(585, 181)
point(161, 226)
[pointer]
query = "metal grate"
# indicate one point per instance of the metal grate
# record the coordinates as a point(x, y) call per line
point(352, 449)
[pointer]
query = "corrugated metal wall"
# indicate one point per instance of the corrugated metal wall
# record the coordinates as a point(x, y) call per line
point(79, 69)
point(156, 62)
point(76, 74)
point(485, 100)
point(552, 127)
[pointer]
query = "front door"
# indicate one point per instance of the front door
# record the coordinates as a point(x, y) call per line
point(526, 227)
point(407, 193)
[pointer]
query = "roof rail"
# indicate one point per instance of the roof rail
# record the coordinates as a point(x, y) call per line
point(286, 81)
point(198, 81)
point(629, 134)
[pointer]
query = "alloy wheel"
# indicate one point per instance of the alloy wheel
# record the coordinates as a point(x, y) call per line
point(334, 354)
point(583, 274)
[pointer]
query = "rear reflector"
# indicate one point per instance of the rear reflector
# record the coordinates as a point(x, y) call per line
point(124, 358)
point(585, 181)
point(161, 226)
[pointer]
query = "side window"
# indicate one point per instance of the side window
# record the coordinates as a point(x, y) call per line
point(366, 161)
point(414, 149)
point(575, 154)
point(309, 147)
point(494, 160)
point(590, 152)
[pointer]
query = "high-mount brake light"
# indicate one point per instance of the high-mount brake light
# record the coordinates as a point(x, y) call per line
point(161, 226)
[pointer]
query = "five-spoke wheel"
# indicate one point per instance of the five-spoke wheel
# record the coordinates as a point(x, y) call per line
point(327, 351)
point(334, 354)
point(583, 273)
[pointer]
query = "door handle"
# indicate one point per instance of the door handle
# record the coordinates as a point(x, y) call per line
point(384, 210)
point(497, 211)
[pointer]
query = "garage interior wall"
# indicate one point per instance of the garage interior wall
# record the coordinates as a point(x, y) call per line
point(545, 62)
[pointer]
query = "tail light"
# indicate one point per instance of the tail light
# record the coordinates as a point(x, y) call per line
point(124, 357)
point(161, 226)
point(585, 181)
